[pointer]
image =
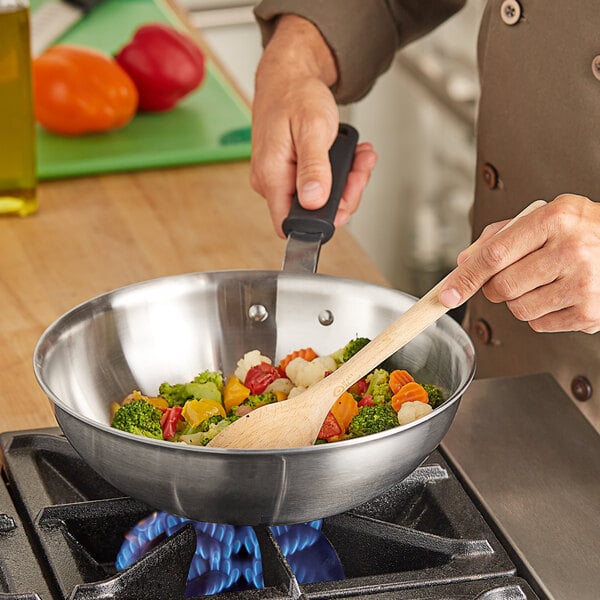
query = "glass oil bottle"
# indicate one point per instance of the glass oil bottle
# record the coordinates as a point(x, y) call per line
point(18, 184)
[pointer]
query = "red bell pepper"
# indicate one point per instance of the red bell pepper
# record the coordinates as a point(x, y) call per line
point(330, 427)
point(164, 63)
point(169, 420)
point(260, 376)
point(366, 400)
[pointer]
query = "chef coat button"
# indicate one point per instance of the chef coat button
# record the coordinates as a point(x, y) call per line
point(596, 66)
point(490, 176)
point(510, 11)
point(483, 331)
point(581, 388)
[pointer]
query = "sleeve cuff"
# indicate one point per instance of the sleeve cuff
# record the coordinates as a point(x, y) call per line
point(363, 46)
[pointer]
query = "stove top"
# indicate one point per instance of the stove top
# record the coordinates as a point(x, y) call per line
point(62, 528)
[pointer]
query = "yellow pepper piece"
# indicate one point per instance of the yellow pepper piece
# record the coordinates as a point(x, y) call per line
point(196, 411)
point(234, 393)
point(157, 401)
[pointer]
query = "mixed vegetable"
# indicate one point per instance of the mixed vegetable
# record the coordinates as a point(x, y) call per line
point(165, 65)
point(79, 90)
point(196, 411)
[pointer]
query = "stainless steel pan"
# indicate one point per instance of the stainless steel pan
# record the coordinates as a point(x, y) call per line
point(171, 328)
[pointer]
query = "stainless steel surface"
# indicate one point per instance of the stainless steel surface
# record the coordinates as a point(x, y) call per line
point(302, 252)
point(172, 328)
point(533, 461)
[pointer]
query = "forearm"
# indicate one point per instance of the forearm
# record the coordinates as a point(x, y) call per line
point(298, 49)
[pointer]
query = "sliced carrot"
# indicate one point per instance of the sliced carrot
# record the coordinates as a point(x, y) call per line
point(344, 410)
point(411, 392)
point(398, 378)
point(305, 353)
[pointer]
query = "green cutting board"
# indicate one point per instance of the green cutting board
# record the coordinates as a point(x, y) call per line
point(211, 124)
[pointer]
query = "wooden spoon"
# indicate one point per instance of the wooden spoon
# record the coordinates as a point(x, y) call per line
point(297, 421)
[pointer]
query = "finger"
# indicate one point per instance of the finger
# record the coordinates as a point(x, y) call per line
point(490, 258)
point(572, 301)
point(566, 319)
point(362, 167)
point(535, 270)
point(273, 170)
point(486, 234)
point(313, 177)
point(539, 302)
point(279, 198)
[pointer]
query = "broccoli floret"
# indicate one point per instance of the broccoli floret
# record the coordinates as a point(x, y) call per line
point(373, 419)
point(379, 386)
point(201, 438)
point(215, 377)
point(202, 428)
point(139, 417)
point(216, 428)
point(349, 350)
point(434, 393)
point(205, 425)
point(177, 394)
point(353, 346)
point(255, 400)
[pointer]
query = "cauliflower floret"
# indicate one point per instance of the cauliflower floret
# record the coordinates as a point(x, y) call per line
point(296, 391)
point(283, 385)
point(411, 411)
point(249, 360)
point(306, 373)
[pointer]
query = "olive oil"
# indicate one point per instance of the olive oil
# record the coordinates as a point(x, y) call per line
point(17, 123)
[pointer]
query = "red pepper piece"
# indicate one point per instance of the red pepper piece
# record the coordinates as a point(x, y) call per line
point(366, 400)
point(260, 376)
point(359, 388)
point(168, 422)
point(330, 427)
point(164, 64)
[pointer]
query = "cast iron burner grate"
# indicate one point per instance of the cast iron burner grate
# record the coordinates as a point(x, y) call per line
point(62, 526)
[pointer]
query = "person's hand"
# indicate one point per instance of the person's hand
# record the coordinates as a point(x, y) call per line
point(545, 267)
point(294, 123)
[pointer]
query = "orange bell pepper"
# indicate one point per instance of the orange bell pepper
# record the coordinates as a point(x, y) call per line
point(234, 393)
point(80, 90)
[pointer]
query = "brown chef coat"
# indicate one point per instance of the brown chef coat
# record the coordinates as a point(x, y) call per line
point(538, 136)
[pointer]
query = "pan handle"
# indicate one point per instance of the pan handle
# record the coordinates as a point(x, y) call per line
point(341, 155)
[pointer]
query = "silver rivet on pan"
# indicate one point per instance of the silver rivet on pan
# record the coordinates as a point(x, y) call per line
point(258, 313)
point(326, 317)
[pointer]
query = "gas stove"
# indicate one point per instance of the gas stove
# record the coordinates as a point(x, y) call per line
point(65, 533)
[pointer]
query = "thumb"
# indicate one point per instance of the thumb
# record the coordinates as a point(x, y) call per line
point(313, 176)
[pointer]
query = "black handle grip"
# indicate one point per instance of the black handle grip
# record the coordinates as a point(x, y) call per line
point(341, 155)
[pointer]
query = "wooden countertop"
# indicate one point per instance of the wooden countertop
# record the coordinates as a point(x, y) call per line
point(95, 234)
